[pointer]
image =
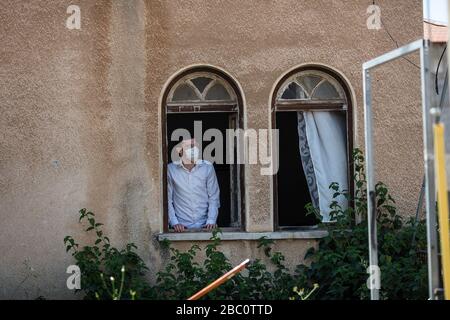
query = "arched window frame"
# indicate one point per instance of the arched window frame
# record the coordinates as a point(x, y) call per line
point(338, 104)
point(232, 106)
point(215, 80)
point(343, 104)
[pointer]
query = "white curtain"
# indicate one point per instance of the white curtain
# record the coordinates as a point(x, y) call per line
point(326, 138)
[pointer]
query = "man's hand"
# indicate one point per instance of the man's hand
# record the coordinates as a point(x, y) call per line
point(210, 227)
point(178, 228)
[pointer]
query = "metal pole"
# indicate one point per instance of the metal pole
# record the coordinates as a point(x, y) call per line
point(428, 101)
point(227, 276)
point(427, 104)
point(371, 207)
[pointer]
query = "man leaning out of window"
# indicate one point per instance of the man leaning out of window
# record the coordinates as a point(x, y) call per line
point(193, 190)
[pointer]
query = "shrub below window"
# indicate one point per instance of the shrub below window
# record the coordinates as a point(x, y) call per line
point(338, 268)
point(341, 261)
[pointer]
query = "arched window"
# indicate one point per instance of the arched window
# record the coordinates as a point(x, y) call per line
point(200, 101)
point(311, 109)
point(312, 90)
point(202, 88)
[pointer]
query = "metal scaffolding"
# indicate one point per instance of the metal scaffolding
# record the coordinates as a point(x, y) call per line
point(429, 102)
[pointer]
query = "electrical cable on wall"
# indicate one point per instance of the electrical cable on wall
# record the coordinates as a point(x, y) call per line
point(395, 41)
point(437, 70)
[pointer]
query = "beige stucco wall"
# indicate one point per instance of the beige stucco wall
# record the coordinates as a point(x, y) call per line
point(80, 112)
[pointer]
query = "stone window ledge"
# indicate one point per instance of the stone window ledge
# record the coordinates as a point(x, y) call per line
point(233, 236)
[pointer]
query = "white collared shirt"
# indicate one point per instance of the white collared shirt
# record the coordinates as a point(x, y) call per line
point(193, 196)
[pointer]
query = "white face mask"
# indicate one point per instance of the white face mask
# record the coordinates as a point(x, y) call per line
point(191, 154)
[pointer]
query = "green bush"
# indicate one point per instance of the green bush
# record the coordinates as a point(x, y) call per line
point(107, 272)
point(340, 263)
point(182, 277)
point(338, 269)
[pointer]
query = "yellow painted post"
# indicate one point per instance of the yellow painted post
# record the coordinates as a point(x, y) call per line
point(441, 181)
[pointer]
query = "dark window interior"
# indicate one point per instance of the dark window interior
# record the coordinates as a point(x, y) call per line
point(293, 193)
point(218, 121)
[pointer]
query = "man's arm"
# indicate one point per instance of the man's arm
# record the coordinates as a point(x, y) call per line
point(172, 216)
point(212, 187)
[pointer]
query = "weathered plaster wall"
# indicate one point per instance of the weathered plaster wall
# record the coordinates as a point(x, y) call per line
point(80, 110)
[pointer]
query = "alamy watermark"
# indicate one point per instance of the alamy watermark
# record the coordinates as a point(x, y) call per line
point(374, 20)
point(374, 280)
point(74, 20)
point(236, 146)
point(73, 282)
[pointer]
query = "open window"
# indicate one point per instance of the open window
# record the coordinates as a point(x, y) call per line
point(312, 111)
point(200, 101)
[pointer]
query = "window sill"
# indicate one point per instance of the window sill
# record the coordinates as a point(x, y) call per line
point(233, 236)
